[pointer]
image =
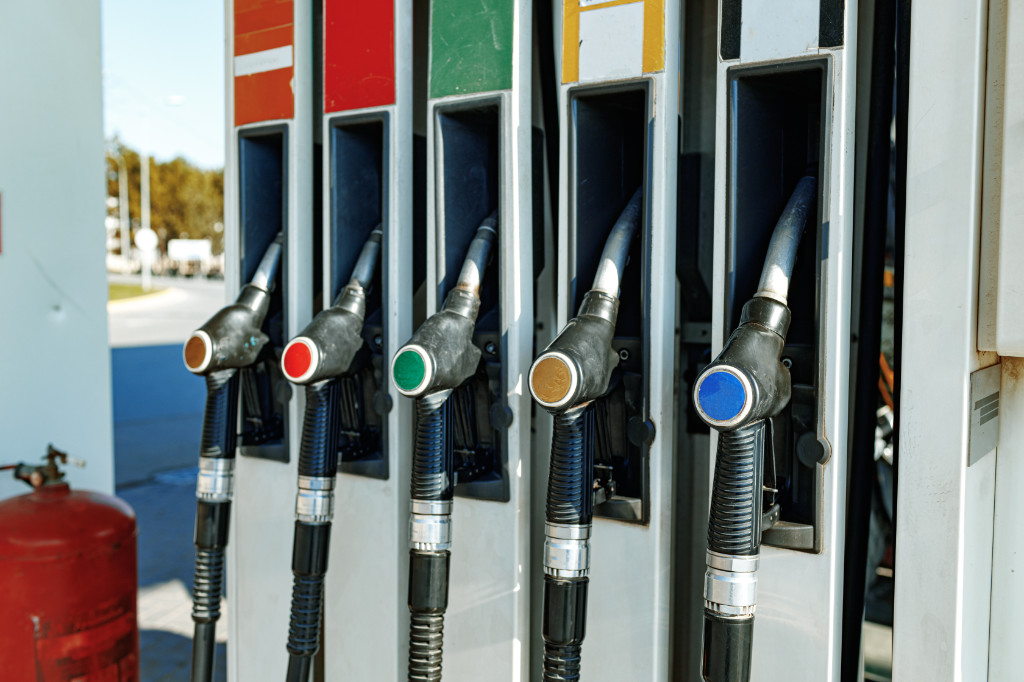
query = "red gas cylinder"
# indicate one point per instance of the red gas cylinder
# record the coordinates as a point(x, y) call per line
point(67, 584)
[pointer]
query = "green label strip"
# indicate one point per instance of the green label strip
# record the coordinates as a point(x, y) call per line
point(470, 46)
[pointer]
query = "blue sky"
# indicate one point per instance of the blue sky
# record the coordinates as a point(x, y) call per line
point(163, 77)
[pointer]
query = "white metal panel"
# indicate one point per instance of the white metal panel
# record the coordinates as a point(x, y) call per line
point(51, 269)
point(1001, 299)
point(368, 565)
point(1005, 630)
point(944, 508)
point(259, 576)
point(800, 594)
point(487, 624)
point(629, 609)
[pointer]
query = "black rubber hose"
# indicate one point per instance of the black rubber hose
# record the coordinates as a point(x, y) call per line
point(571, 476)
point(728, 643)
point(564, 627)
point(428, 600)
point(211, 529)
point(318, 458)
point(211, 536)
point(735, 523)
point(309, 564)
point(203, 651)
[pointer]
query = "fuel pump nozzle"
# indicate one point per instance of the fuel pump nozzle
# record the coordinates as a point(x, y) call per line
point(438, 358)
point(736, 395)
point(573, 371)
point(230, 340)
point(321, 353)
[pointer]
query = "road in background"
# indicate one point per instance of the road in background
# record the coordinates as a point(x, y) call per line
point(166, 316)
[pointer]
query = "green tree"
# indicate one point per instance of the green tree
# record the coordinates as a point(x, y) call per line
point(185, 202)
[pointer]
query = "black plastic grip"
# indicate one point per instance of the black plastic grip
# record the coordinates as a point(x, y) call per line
point(309, 564)
point(734, 526)
point(564, 627)
point(220, 415)
point(432, 456)
point(728, 643)
point(428, 599)
point(570, 497)
point(318, 451)
point(428, 581)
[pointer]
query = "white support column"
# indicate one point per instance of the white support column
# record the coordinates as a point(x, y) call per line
point(944, 507)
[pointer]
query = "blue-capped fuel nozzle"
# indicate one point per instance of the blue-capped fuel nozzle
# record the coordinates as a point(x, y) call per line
point(744, 386)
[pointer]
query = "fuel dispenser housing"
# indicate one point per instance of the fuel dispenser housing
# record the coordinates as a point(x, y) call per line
point(268, 189)
point(785, 100)
point(618, 110)
point(368, 154)
point(479, 158)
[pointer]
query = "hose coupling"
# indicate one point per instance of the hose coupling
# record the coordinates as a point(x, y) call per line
point(430, 531)
point(730, 584)
point(566, 550)
point(216, 480)
point(314, 502)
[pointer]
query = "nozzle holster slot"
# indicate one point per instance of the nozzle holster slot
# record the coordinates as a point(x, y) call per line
point(470, 143)
point(610, 149)
point(778, 132)
point(263, 209)
point(359, 187)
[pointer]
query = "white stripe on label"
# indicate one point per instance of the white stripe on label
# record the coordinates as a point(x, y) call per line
point(267, 60)
point(612, 42)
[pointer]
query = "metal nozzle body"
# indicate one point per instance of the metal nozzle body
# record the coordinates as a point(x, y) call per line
point(366, 265)
point(747, 380)
point(232, 338)
point(781, 257)
point(577, 365)
point(478, 255)
point(616, 247)
point(334, 337)
point(444, 343)
point(266, 272)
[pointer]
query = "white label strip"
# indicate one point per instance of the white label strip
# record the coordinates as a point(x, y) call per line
point(267, 60)
point(774, 30)
point(612, 42)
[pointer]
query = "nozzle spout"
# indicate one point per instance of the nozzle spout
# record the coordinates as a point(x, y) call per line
point(267, 270)
point(616, 247)
point(366, 265)
point(778, 264)
point(479, 254)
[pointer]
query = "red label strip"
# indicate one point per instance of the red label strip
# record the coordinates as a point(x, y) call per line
point(359, 54)
point(264, 60)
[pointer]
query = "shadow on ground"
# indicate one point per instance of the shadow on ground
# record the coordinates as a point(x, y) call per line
point(158, 412)
point(167, 657)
